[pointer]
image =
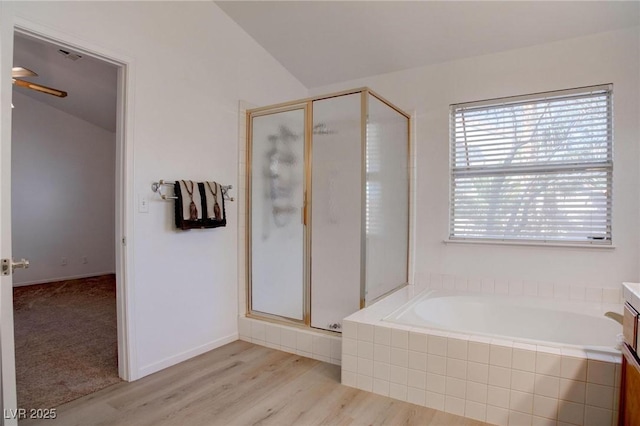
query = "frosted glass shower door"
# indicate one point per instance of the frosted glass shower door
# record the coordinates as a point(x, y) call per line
point(387, 199)
point(277, 198)
point(336, 213)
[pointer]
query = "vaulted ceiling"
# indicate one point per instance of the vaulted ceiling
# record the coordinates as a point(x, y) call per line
point(325, 42)
point(91, 83)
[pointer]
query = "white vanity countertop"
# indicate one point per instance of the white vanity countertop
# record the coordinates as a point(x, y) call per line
point(631, 293)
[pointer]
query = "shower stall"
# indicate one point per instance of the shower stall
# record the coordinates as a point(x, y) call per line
point(328, 207)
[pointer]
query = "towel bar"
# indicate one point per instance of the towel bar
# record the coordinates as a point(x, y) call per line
point(157, 187)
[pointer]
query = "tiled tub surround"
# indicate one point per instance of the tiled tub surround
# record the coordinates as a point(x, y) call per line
point(301, 341)
point(595, 293)
point(499, 381)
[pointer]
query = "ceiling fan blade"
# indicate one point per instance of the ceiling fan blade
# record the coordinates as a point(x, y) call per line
point(22, 72)
point(40, 88)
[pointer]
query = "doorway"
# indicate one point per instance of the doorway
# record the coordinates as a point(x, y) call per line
point(77, 263)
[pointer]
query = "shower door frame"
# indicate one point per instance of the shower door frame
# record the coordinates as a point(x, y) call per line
point(306, 274)
point(307, 105)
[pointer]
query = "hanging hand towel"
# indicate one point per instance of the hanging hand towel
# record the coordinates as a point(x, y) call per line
point(215, 214)
point(192, 201)
point(185, 211)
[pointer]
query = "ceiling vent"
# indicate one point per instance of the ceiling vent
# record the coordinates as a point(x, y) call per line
point(69, 55)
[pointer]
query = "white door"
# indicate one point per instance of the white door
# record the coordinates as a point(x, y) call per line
point(7, 354)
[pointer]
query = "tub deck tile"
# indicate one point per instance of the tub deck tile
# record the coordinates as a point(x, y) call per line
point(497, 380)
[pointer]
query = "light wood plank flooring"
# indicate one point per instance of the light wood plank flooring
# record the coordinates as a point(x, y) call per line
point(244, 384)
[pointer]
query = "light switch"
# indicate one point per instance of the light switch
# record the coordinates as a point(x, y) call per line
point(143, 204)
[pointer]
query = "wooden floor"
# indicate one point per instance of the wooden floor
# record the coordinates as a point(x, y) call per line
point(244, 384)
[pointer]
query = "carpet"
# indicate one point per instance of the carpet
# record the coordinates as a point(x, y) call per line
point(66, 340)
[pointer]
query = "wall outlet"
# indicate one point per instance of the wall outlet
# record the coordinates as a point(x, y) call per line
point(84, 260)
point(64, 261)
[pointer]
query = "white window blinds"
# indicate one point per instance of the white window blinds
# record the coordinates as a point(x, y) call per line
point(535, 167)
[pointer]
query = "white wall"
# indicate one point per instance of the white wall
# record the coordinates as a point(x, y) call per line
point(610, 57)
point(192, 64)
point(63, 173)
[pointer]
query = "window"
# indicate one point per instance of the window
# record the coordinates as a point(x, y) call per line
point(535, 168)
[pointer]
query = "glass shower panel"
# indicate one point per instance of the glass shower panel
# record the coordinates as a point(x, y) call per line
point(277, 197)
point(387, 199)
point(336, 181)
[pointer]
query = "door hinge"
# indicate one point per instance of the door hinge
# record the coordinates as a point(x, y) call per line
point(124, 241)
point(6, 267)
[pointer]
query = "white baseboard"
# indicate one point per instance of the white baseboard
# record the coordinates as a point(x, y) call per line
point(183, 356)
point(56, 279)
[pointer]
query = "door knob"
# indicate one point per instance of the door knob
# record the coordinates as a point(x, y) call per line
point(22, 263)
point(9, 266)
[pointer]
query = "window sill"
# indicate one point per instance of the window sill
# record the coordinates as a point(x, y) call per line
point(532, 244)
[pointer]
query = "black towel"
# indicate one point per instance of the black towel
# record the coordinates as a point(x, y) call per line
point(204, 221)
point(181, 222)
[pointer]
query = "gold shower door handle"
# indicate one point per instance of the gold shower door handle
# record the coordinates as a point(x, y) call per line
point(304, 210)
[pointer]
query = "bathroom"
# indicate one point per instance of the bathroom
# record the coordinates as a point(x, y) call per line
point(185, 295)
point(490, 379)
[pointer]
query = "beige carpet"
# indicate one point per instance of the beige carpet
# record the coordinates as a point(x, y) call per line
point(66, 340)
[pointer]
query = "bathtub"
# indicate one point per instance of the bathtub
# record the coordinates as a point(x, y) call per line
point(517, 318)
point(505, 360)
